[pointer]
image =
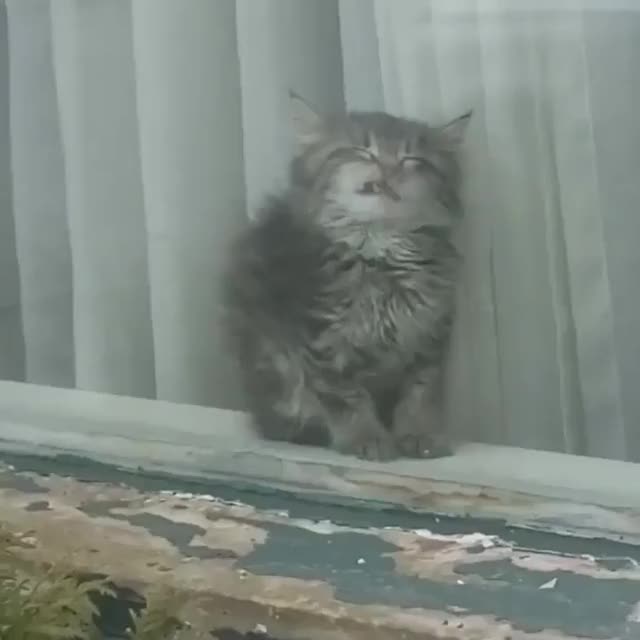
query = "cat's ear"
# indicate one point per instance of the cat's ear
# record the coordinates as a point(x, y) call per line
point(454, 131)
point(307, 124)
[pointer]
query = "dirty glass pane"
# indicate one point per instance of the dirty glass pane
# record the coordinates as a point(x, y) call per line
point(138, 137)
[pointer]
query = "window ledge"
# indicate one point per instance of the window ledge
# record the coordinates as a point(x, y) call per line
point(594, 497)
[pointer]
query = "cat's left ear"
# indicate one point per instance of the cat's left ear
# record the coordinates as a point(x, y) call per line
point(307, 124)
point(454, 131)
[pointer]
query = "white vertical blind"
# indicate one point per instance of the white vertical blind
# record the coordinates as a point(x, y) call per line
point(282, 46)
point(12, 365)
point(37, 200)
point(189, 119)
point(95, 87)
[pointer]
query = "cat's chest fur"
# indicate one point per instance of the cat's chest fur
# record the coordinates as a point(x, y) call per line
point(392, 294)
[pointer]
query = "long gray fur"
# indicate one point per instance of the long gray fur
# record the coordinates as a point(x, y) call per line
point(341, 294)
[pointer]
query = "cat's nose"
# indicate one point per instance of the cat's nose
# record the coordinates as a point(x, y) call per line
point(388, 190)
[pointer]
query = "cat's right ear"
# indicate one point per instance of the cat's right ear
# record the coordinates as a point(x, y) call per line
point(307, 124)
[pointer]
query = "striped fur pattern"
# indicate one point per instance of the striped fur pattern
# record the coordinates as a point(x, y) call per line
point(341, 294)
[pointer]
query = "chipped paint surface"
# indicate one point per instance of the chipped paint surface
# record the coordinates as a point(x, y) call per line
point(253, 563)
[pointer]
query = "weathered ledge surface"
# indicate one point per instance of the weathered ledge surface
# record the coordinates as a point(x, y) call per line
point(300, 569)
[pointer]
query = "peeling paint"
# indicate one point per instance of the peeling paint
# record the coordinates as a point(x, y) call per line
point(21, 483)
point(41, 505)
point(179, 534)
point(350, 511)
point(327, 571)
point(579, 605)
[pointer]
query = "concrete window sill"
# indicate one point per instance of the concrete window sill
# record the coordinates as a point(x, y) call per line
point(538, 488)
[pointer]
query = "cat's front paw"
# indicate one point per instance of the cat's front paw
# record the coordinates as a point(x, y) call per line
point(379, 447)
point(422, 446)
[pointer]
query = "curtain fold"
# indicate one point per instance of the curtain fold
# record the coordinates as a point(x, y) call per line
point(12, 355)
point(136, 137)
point(96, 100)
point(189, 127)
point(282, 46)
point(575, 153)
point(39, 198)
point(610, 58)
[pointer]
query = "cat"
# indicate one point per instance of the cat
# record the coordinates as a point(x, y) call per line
point(340, 295)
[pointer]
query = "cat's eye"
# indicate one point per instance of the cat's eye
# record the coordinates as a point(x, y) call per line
point(369, 187)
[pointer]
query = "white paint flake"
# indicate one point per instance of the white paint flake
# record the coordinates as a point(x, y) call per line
point(466, 540)
point(549, 585)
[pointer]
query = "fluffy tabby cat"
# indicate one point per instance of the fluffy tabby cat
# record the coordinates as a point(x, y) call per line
point(341, 294)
